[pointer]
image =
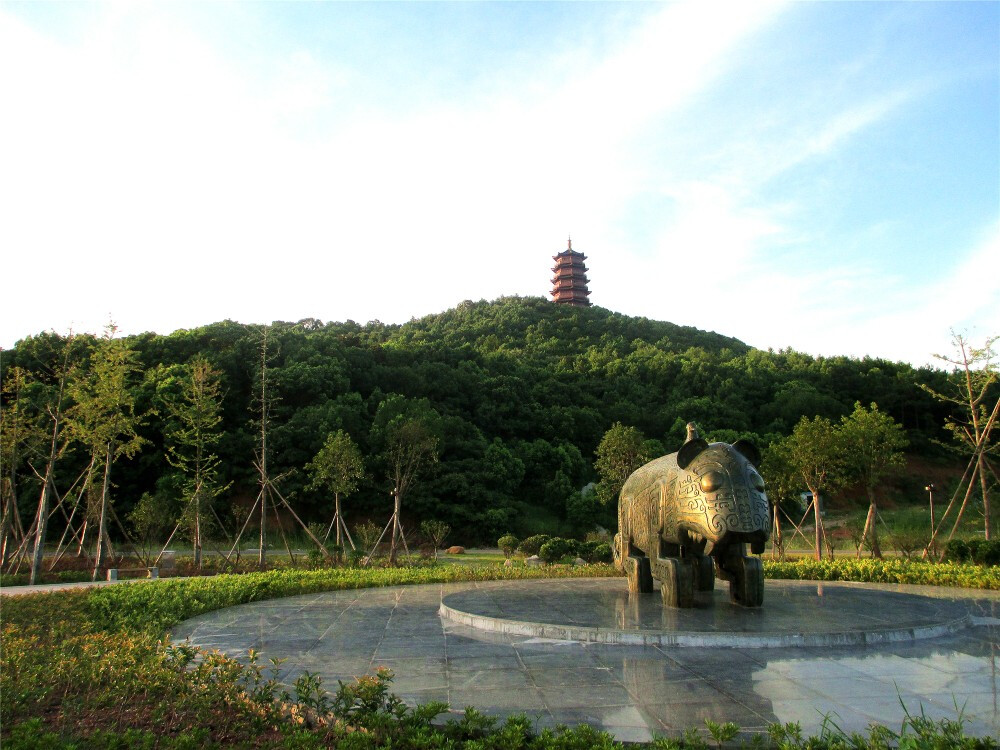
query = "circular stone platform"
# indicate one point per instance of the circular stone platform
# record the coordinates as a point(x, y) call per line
point(795, 613)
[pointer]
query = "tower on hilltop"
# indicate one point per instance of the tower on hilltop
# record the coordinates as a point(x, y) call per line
point(569, 286)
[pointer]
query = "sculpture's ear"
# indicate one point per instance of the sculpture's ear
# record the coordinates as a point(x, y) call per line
point(690, 450)
point(749, 451)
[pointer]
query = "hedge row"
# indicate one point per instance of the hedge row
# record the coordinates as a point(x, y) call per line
point(553, 549)
point(980, 551)
point(873, 570)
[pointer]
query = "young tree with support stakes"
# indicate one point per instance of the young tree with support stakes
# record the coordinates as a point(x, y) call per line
point(194, 403)
point(264, 405)
point(976, 395)
point(437, 531)
point(407, 431)
point(815, 452)
point(337, 467)
point(19, 434)
point(56, 410)
point(784, 487)
point(104, 419)
point(873, 445)
point(268, 490)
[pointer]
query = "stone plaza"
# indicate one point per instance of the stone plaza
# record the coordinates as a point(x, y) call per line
point(586, 651)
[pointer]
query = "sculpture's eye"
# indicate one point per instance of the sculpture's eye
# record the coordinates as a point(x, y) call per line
point(756, 482)
point(712, 481)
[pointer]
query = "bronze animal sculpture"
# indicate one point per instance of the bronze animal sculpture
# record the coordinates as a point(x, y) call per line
point(686, 518)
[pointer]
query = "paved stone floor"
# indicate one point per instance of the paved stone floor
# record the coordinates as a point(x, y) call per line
point(636, 692)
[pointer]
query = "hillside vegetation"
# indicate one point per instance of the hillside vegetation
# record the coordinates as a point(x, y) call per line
point(522, 391)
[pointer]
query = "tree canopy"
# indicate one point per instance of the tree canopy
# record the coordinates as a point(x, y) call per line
point(519, 391)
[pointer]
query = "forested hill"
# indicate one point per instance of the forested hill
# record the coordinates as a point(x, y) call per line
point(533, 326)
point(521, 390)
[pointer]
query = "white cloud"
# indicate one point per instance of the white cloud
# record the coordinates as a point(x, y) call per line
point(861, 312)
point(171, 184)
point(169, 188)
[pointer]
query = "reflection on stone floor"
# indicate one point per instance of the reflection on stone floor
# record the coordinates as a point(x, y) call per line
point(634, 692)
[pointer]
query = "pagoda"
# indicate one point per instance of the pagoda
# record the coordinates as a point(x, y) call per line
point(569, 286)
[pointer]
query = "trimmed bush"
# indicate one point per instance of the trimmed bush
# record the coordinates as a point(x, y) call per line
point(979, 551)
point(555, 550)
point(532, 544)
point(507, 544)
point(594, 551)
point(985, 552)
point(601, 554)
point(956, 551)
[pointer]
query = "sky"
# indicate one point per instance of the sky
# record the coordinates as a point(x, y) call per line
point(823, 176)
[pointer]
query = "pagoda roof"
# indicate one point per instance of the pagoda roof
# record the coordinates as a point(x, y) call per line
point(569, 252)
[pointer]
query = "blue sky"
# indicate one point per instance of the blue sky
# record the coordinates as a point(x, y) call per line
point(820, 175)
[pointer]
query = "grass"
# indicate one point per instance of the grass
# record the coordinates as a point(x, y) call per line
point(473, 557)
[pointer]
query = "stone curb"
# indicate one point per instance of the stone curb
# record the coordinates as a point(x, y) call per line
point(689, 639)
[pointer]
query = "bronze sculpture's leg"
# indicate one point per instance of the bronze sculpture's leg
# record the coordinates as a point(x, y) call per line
point(747, 585)
point(677, 580)
point(706, 573)
point(638, 573)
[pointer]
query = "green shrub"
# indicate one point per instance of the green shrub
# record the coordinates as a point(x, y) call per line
point(507, 544)
point(601, 554)
point(979, 551)
point(555, 550)
point(594, 551)
point(985, 551)
point(956, 551)
point(532, 544)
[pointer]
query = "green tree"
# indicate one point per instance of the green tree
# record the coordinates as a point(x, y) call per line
point(265, 404)
point(19, 434)
point(56, 410)
point(337, 467)
point(873, 445)
point(815, 452)
point(621, 451)
point(435, 530)
point(784, 488)
point(543, 380)
point(150, 518)
point(582, 510)
point(406, 431)
point(194, 406)
point(104, 419)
